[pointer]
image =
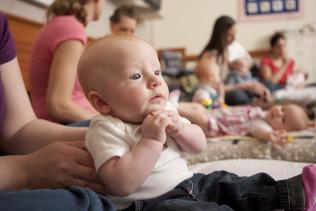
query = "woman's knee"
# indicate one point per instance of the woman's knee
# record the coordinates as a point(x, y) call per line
point(237, 97)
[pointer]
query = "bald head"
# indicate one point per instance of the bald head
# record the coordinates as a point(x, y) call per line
point(106, 56)
point(297, 118)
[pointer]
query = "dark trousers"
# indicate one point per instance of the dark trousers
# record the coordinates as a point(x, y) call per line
point(74, 198)
point(238, 97)
point(272, 86)
point(226, 191)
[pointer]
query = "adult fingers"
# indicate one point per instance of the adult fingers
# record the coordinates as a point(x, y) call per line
point(85, 173)
point(99, 188)
point(80, 155)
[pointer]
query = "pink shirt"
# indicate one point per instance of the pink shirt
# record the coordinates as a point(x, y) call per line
point(288, 71)
point(56, 31)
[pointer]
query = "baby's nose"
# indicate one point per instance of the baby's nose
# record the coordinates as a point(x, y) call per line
point(154, 82)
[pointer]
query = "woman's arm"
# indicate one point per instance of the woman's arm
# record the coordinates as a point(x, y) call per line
point(251, 86)
point(55, 166)
point(63, 74)
point(266, 72)
point(59, 164)
point(21, 131)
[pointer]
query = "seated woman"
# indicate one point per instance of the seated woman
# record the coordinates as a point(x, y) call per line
point(218, 47)
point(277, 66)
point(123, 21)
point(55, 90)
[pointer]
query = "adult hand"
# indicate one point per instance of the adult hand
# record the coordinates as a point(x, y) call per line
point(62, 164)
point(257, 88)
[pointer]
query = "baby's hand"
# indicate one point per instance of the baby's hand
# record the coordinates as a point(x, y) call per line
point(278, 138)
point(154, 126)
point(176, 125)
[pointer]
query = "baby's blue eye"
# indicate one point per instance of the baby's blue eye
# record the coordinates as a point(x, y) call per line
point(157, 72)
point(136, 76)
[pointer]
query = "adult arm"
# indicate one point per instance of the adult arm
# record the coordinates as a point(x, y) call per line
point(21, 131)
point(62, 78)
point(252, 86)
point(267, 74)
point(59, 164)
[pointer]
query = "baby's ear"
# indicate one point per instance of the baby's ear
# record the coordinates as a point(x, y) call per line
point(98, 103)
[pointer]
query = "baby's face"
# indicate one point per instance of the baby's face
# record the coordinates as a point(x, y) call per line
point(286, 117)
point(211, 73)
point(134, 87)
point(241, 65)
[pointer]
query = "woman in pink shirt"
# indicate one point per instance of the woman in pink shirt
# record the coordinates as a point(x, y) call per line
point(55, 92)
point(276, 67)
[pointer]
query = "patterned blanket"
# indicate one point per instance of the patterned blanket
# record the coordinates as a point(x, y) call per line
point(302, 149)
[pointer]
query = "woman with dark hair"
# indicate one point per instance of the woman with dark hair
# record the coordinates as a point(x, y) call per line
point(277, 66)
point(222, 37)
point(55, 90)
point(123, 20)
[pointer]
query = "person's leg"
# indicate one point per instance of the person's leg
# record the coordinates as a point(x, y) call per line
point(237, 97)
point(177, 199)
point(272, 86)
point(74, 198)
point(258, 192)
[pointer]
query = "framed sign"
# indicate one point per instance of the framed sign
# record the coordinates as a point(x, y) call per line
point(269, 9)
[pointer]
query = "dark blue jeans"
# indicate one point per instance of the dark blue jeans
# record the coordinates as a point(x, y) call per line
point(74, 198)
point(226, 191)
point(238, 97)
point(272, 86)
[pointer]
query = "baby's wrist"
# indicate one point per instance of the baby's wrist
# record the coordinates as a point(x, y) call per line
point(178, 132)
point(149, 140)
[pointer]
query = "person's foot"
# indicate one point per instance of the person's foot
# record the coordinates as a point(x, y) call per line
point(309, 181)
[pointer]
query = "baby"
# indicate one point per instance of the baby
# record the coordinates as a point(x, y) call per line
point(239, 73)
point(210, 91)
point(137, 141)
point(271, 125)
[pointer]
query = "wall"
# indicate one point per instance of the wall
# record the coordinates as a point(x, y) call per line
point(185, 23)
point(29, 11)
point(189, 23)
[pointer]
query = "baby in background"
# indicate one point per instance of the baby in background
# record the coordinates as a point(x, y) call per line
point(272, 125)
point(239, 72)
point(137, 141)
point(210, 91)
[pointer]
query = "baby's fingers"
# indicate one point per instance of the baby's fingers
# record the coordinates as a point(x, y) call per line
point(162, 120)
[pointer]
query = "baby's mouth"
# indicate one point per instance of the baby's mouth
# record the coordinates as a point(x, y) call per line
point(156, 99)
